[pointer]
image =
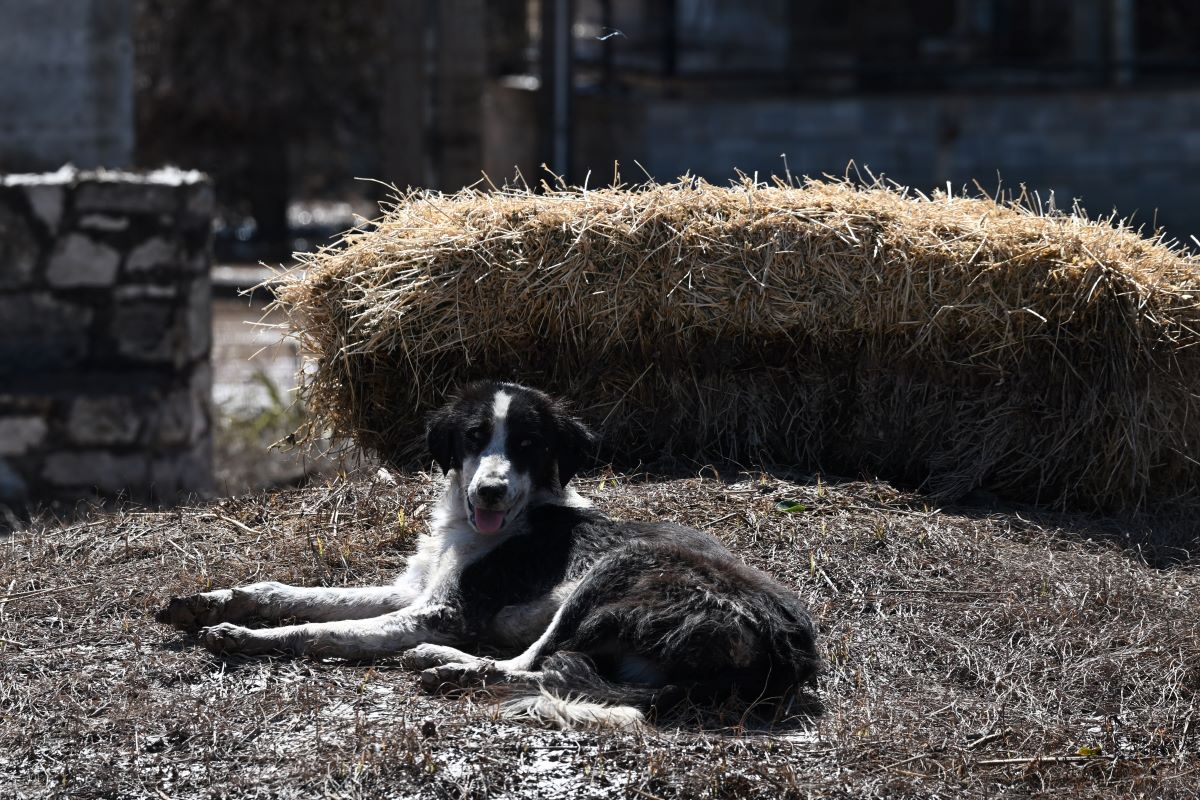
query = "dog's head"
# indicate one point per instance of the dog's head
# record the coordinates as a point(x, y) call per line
point(505, 444)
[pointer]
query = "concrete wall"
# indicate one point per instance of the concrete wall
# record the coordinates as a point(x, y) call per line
point(1133, 151)
point(66, 84)
point(105, 331)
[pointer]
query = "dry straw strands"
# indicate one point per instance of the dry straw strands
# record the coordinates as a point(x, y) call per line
point(954, 341)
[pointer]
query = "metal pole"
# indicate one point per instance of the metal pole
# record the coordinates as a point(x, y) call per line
point(606, 53)
point(670, 39)
point(557, 18)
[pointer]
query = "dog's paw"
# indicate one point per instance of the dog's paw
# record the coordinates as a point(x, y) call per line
point(461, 675)
point(424, 656)
point(195, 611)
point(227, 639)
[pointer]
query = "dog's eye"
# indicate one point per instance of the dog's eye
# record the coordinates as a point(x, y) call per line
point(475, 435)
point(527, 443)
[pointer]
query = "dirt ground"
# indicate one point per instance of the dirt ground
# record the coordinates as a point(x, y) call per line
point(969, 654)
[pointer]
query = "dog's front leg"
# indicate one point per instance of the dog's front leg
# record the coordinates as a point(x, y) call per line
point(273, 600)
point(390, 634)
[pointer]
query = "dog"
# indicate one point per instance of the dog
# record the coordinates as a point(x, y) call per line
point(608, 619)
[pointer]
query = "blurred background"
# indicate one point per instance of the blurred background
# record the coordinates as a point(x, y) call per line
point(302, 114)
point(288, 105)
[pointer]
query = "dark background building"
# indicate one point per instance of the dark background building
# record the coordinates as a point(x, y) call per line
point(286, 103)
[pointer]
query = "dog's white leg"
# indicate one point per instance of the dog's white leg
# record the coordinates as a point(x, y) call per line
point(424, 656)
point(377, 637)
point(533, 654)
point(448, 668)
point(273, 601)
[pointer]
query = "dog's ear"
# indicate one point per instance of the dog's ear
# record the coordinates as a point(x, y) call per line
point(439, 438)
point(575, 446)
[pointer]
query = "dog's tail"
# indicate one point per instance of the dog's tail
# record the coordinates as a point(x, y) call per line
point(571, 713)
point(571, 694)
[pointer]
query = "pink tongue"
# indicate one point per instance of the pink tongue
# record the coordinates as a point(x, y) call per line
point(488, 521)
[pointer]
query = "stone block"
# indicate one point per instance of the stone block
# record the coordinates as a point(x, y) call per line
point(145, 330)
point(13, 488)
point(165, 479)
point(200, 205)
point(18, 434)
point(103, 420)
point(199, 262)
point(173, 420)
point(201, 383)
point(157, 253)
point(78, 260)
point(19, 248)
point(146, 291)
point(107, 223)
point(202, 413)
point(46, 200)
point(39, 333)
point(199, 318)
point(191, 411)
point(189, 472)
point(125, 197)
point(98, 469)
point(22, 403)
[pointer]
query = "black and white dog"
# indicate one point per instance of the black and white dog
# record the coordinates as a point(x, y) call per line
point(607, 617)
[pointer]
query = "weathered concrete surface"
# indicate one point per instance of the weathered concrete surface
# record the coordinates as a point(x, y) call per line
point(66, 84)
point(1133, 151)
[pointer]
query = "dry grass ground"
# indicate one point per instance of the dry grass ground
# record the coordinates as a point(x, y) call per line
point(969, 654)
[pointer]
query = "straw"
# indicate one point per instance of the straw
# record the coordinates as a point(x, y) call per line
point(948, 341)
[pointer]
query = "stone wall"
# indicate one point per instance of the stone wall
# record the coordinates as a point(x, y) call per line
point(105, 331)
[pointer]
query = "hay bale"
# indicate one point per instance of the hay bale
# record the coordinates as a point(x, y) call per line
point(952, 341)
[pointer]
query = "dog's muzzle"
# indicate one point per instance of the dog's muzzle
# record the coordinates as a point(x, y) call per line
point(487, 514)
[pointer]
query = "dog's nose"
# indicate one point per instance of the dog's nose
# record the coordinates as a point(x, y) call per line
point(492, 492)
